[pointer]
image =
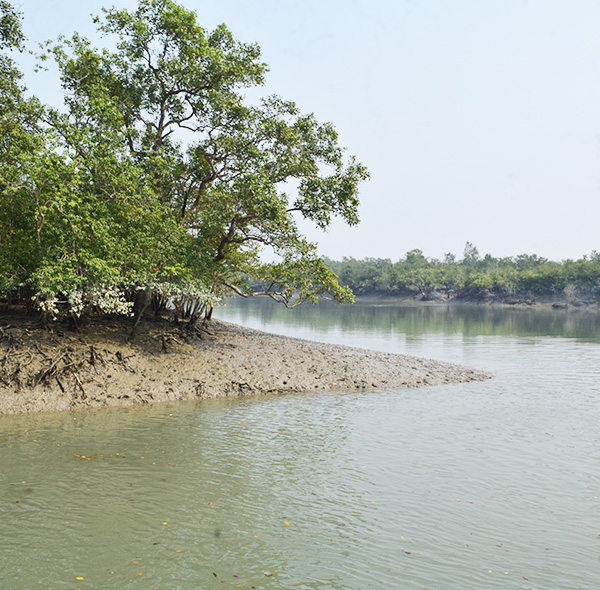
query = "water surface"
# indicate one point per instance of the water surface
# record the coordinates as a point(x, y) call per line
point(483, 485)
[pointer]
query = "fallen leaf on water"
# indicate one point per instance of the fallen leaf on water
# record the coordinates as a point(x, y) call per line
point(139, 574)
point(215, 575)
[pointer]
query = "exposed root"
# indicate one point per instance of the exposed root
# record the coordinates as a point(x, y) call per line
point(66, 365)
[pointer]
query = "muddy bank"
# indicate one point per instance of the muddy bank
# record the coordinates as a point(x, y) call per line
point(60, 370)
point(582, 300)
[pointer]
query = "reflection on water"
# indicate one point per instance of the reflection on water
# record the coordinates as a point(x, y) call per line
point(485, 485)
point(417, 318)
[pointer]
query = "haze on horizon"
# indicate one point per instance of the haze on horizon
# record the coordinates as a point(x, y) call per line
point(479, 121)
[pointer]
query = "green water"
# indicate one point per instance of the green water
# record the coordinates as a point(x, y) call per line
point(457, 487)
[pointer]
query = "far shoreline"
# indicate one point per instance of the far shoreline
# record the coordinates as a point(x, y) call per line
point(545, 303)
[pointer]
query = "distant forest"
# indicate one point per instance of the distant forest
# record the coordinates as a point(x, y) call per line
point(519, 279)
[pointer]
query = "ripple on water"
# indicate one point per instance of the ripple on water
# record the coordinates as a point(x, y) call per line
point(399, 489)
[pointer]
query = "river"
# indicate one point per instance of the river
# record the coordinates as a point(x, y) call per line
point(483, 485)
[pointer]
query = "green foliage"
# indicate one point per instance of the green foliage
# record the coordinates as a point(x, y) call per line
point(472, 277)
point(157, 176)
point(10, 26)
point(23, 159)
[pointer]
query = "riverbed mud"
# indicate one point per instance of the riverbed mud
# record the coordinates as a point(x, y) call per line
point(52, 370)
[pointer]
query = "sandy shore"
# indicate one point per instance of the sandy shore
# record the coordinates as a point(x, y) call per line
point(56, 370)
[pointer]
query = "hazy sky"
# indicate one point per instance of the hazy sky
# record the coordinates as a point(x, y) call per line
point(478, 120)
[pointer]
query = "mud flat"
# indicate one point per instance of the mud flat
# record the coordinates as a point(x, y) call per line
point(60, 370)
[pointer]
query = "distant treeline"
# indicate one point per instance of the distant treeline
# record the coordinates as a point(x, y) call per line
point(515, 279)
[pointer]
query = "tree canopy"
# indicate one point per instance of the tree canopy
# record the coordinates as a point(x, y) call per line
point(158, 175)
point(518, 278)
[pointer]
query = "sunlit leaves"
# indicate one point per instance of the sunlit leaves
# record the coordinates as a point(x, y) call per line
point(10, 26)
point(156, 172)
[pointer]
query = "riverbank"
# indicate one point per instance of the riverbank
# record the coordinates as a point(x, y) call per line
point(558, 301)
point(59, 370)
